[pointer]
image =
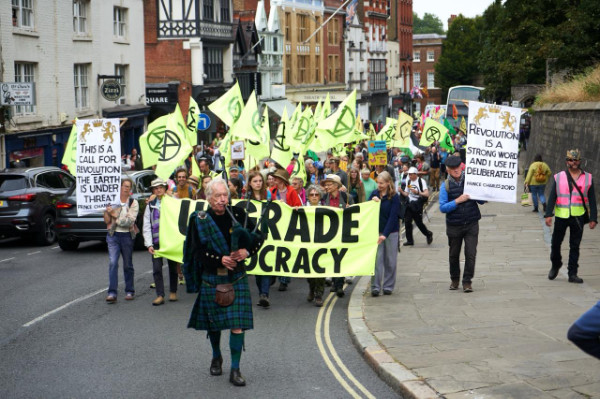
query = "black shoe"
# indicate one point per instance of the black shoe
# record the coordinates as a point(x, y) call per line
point(387, 292)
point(311, 296)
point(429, 238)
point(575, 279)
point(282, 287)
point(535, 210)
point(235, 377)
point(407, 244)
point(374, 293)
point(215, 366)
point(340, 292)
point(553, 273)
point(264, 301)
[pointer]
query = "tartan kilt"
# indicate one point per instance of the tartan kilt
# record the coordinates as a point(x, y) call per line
point(208, 315)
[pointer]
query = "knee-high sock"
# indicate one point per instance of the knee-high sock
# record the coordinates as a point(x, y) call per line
point(215, 342)
point(236, 344)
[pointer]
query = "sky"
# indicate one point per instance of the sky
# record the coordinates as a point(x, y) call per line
point(444, 8)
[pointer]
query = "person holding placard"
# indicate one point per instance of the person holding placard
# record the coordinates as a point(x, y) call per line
point(572, 194)
point(462, 223)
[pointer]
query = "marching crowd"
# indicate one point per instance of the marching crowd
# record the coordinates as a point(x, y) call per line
point(215, 248)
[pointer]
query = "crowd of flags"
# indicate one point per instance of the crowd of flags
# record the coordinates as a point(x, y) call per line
point(170, 139)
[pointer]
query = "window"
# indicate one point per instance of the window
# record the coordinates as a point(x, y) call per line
point(120, 22)
point(417, 56)
point(225, 11)
point(360, 49)
point(80, 75)
point(208, 13)
point(122, 70)
point(317, 68)
point(288, 26)
point(213, 63)
point(332, 33)
point(275, 46)
point(49, 180)
point(430, 56)
point(333, 68)
point(430, 80)
point(318, 34)
point(302, 63)
point(417, 79)
point(302, 27)
point(80, 8)
point(22, 14)
point(288, 69)
point(417, 107)
point(25, 73)
point(377, 75)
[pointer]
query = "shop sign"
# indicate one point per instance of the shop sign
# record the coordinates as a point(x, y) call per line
point(111, 90)
point(17, 93)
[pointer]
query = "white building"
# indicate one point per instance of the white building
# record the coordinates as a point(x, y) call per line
point(356, 63)
point(68, 49)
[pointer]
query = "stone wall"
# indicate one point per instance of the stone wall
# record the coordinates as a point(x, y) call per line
point(559, 127)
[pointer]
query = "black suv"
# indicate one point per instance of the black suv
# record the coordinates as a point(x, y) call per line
point(73, 229)
point(27, 202)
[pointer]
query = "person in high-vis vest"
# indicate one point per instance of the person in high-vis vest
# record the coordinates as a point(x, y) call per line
point(569, 204)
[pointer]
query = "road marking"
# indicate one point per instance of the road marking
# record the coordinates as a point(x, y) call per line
point(335, 356)
point(42, 317)
point(324, 355)
point(33, 253)
point(7, 259)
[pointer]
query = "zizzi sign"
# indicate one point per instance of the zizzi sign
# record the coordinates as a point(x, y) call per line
point(111, 90)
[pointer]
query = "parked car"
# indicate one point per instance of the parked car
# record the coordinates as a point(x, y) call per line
point(73, 229)
point(27, 202)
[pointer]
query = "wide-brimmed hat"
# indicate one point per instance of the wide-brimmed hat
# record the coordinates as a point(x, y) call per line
point(334, 179)
point(413, 170)
point(453, 161)
point(282, 174)
point(574, 154)
point(193, 180)
point(158, 182)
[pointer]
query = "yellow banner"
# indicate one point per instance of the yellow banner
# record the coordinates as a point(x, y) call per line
point(302, 242)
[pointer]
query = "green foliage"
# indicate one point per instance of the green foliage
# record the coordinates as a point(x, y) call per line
point(458, 63)
point(428, 24)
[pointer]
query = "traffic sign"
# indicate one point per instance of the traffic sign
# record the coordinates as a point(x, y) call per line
point(203, 122)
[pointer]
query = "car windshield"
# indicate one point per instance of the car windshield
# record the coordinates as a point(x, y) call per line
point(11, 183)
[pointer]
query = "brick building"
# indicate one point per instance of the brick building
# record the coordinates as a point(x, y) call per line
point(400, 49)
point(427, 49)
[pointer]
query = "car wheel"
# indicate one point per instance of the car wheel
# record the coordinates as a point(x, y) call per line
point(68, 245)
point(47, 235)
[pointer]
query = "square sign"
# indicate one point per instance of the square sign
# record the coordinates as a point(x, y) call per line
point(17, 93)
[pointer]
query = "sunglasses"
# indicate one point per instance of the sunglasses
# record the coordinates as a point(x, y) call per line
point(572, 160)
point(313, 195)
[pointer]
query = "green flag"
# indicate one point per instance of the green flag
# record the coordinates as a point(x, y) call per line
point(301, 131)
point(70, 156)
point(225, 149)
point(151, 142)
point(388, 132)
point(446, 142)
point(229, 106)
point(259, 149)
point(295, 115)
point(403, 130)
point(249, 124)
point(432, 131)
point(338, 128)
point(175, 147)
point(448, 126)
point(192, 122)
point(299, 170)
point(326, 109)
point(318, 111)
point(282, 151)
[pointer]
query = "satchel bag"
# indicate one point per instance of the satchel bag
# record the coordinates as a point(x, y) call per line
point(224, 294)
point(586, 214)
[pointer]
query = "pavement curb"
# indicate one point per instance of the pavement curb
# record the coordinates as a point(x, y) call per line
point(402, 380)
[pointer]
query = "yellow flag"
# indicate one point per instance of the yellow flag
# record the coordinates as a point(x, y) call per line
point(403, 130)
point(151, 142)
point(463, 125)
point(371, 133)
point(432, 131)
point(299, 170)
point(229, 106)
point(326, 110)
point(259, 149)
point(70, 155)
point(318, 111)
point(225, 149)
point(282, 152)
point(175, 147)
point(295, 115)
point(388, 132)
point(339, 127)
point(192, 122)
point(301, 130)
point(249, 124)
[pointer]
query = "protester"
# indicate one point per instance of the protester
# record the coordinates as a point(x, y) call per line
point(235, 187)
point(368, 183)
point(298, 185)
point(151, 241)
point(536, 180)
point(417, 194)
point(435, 161)
point(355, 186)
point(120, 222)
point(572, 193)
point(316, 286)
point(194, 183)
point(585, 332)
point(422, 167)
point(314, 171)
point(257, 190)
point(234, 173)
point(387, 244)
point(337, 199)
point(334, 165)
point(208, 247)
point(285, 193)
point(462, 223)
point(201, 193)
point(184, 189)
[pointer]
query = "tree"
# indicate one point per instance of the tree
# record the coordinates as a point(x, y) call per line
point(460, 52)
point(429, 24)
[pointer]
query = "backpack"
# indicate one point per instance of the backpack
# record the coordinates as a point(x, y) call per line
point(539, 174)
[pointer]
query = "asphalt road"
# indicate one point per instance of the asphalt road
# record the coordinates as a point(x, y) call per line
point(59, 339)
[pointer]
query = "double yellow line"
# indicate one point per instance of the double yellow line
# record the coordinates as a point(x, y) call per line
point(323, 321)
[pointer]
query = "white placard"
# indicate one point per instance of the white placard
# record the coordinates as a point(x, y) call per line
point(98, 165)
point(492, 152)
point(237, 150)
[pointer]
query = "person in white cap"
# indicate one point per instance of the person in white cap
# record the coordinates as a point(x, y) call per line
point(417, 193)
